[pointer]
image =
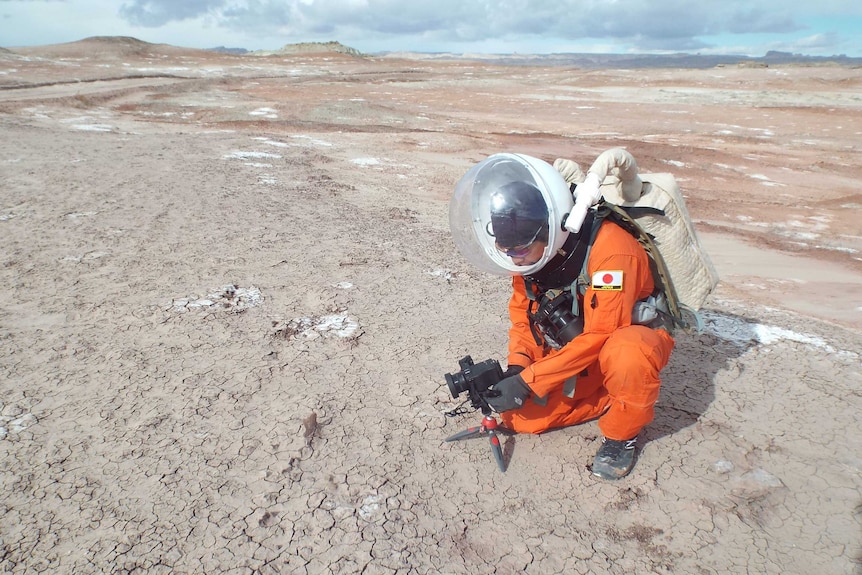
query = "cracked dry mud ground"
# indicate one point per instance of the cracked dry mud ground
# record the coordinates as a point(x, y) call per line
point(231, 296)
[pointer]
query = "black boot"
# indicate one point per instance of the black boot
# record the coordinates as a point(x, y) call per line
point(615, 458)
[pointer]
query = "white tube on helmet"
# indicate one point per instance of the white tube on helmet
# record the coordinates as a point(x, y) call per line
point(587, 194)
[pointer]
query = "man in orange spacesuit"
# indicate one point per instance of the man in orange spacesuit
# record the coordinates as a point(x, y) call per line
point(574, 352)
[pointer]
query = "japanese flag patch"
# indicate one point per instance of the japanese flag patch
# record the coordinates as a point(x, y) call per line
point(609, 280)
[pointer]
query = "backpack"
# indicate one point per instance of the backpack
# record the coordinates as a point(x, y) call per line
point(664, 306)
point(652, 209)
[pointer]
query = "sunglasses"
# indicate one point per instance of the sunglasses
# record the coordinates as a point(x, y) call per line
point(518, 251)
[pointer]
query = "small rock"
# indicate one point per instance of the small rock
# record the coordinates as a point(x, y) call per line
point(310, 424)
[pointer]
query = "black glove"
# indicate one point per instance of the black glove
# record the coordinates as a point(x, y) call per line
point(507, 394)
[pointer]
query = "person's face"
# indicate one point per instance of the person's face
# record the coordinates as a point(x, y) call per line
point(526, 255)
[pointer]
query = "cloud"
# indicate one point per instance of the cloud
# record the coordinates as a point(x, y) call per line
point(642, 24)
point(155, 13)
point(758, 21)
point(472, 20)
point(816, 42)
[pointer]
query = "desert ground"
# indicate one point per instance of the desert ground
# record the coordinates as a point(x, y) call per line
point(231, 299)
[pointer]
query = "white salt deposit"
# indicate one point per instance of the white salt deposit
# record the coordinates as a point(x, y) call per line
point(339, 325)
point(240, 155)
point(741, 332)
point(762, 478)
point(22, 422)
point(265, 112)
point(370, 506)
point(14, 419)
point(313, 141)
point(305, 141)
point(229, 296)
point(365, 161)
point(272, 142)
point(93, 127)
point(440, 273)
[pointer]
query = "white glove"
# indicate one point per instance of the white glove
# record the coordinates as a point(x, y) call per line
point(587, 194)
point(570, 170)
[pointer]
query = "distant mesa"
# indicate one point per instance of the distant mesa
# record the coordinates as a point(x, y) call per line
point(226, 50)
point(104, 47)
point(120, 44)
point(125, 45)
point(312, 48)
point(123, 40)
point(636, 60)
point(118, 47)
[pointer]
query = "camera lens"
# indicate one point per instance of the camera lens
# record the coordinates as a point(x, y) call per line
point(457, 384)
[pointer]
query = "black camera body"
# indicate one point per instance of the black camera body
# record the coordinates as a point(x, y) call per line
point(474, 378)
point(555, 321)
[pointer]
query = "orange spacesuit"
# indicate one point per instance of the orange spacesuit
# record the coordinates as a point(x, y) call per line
point(611, 370)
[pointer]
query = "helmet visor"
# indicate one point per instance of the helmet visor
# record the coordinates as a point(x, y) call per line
point(502, 207)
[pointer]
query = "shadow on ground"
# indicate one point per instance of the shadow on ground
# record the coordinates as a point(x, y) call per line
point(688, 381)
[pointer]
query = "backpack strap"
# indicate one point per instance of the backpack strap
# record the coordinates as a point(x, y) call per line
point(661, 274)
point(533, 293)
point(583, 280)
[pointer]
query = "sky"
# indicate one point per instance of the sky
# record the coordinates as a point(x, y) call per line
point(737, 27)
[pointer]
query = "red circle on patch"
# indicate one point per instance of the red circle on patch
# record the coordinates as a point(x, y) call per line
point(607, 278)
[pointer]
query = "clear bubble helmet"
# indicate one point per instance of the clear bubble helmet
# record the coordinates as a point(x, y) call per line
point(510, 198)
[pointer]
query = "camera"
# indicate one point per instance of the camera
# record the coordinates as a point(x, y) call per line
point(555, 321)
point(473, 377)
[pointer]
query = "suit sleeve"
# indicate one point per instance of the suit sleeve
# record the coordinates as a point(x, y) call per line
point(604, 311)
